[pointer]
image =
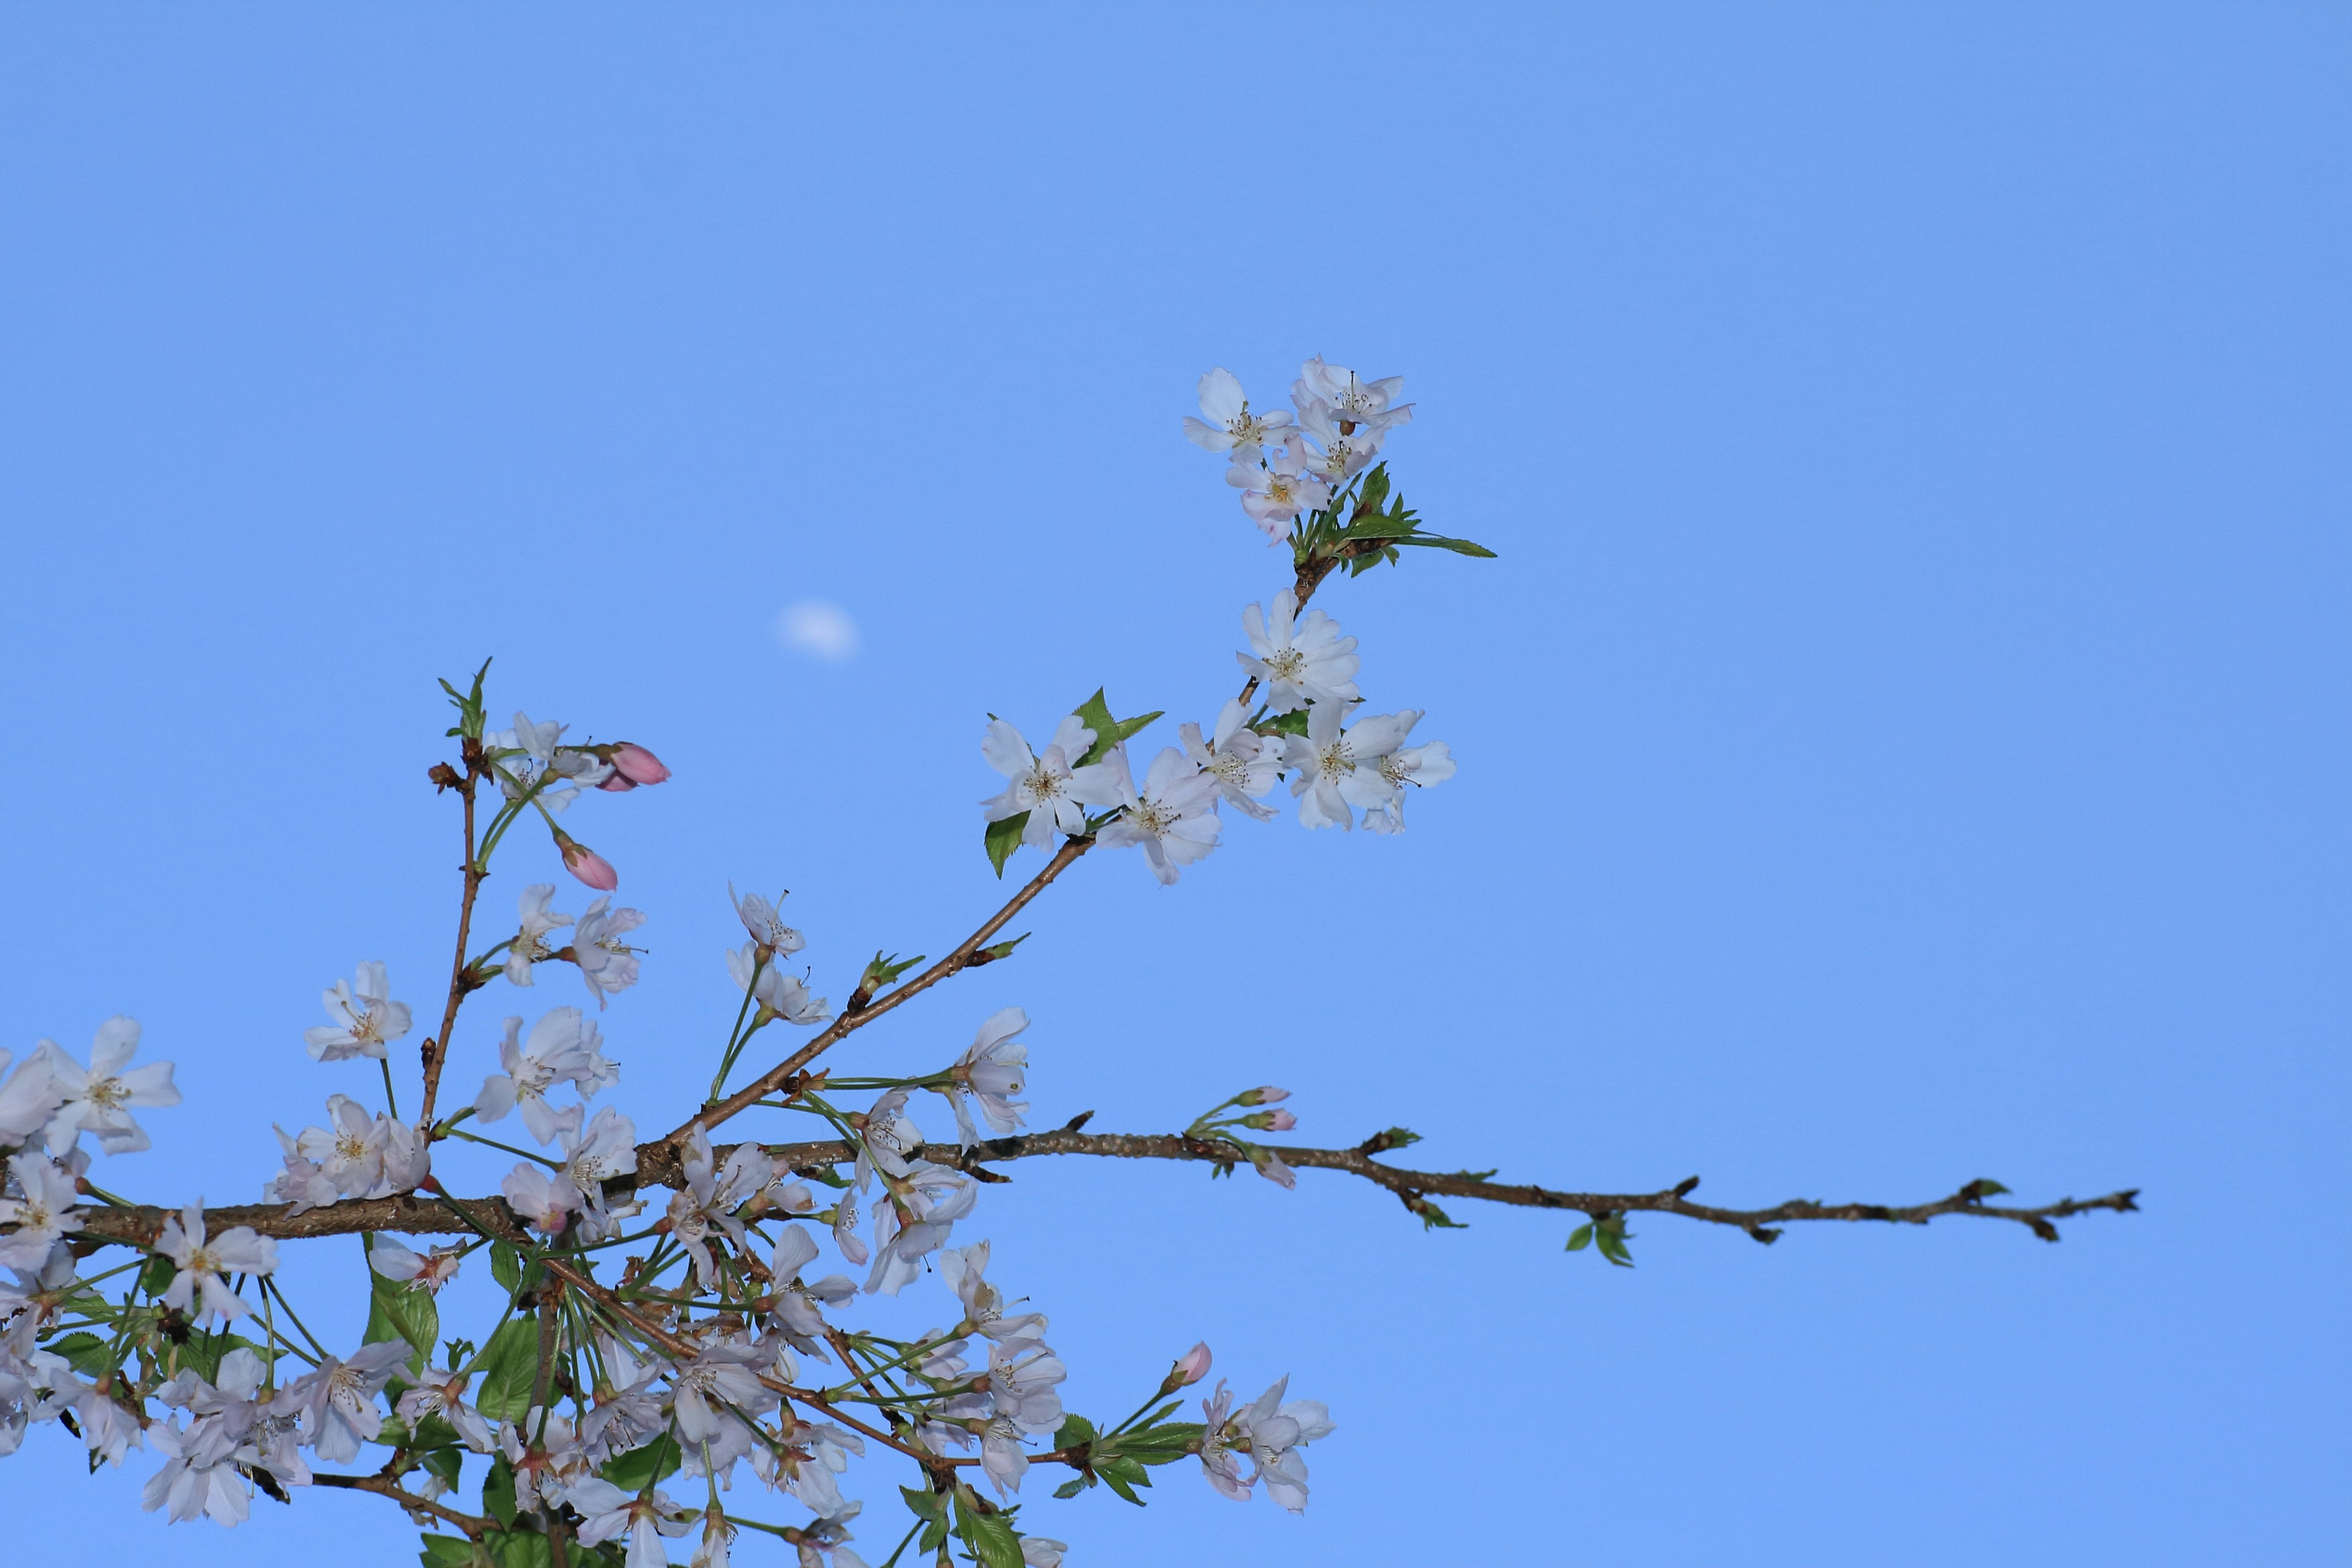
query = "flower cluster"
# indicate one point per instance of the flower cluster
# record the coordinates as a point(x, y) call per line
point(1290, 462)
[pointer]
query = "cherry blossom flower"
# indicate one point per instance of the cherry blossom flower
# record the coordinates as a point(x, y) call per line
point(607, 963)
point(779, 994)
point(965, 1269)
point(203, 1262)
point(95, 1099)
point(364, 1017)
point(1045, 784)
point(29, 1097)
point(797, 1312)
point(1173, 816)
point(420, 1271)
point(1041, 1551)
point(1231, 426)
point(608, 1512)
point(304, 1184)
point(1049, 786)
point(1339, 454)
point(563, 1048)
point(1243, 765)
point(1296, 664)
point(710, 1196)
point(445, 1396)
point(1338, 768)
point(336, 1401)
point(42, 1211)
point(542, 1199)
point(1279, 488)
point(992, 1068)
point(1021, 1378)
point(1276, 1431)
point(770, 934)
point(351, 1150)
point(1419, 766)
point(1354, 404)
point(529, 944)
point(922, 1210)
point(608, 1148)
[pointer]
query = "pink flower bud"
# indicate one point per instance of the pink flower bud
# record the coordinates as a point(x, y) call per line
point(590, 866)
point(1192, 1365)
point(634, 763)
point(1265, 1096)
point(1271, 1121)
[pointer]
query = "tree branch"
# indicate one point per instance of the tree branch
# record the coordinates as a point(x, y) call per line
point(384, 1485)
point(405, 1215)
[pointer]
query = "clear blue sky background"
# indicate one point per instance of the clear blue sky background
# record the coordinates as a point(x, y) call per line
point(1903, 740)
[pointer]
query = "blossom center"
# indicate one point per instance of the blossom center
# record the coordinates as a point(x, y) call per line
point(1287, 664)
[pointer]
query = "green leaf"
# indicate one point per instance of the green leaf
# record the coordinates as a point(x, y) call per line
point(886, 970)
point(396, 1311)
point(447, 1552)
point(1580, 1238)
point(1291, 723)
point(85, 1352)
point(1438, 541)
point(1094, 714)
point(1985, 1187)
point(157, 1277)
point(506, 1266)
point(991, 1536)
point(468, 705)
point(499, 1491)
point(1073, 1486)
point(518, 1549)
point(1435, 1218)
point(204, 1353)
point(1123, 1476)
point(1003, 837)
point(1152, 1444)
point(641, 1467)
point(1074, 1430)
point(935, 1535)
point(446, 1463)
point(924, 1503)
point(997, 950)
point(508, 1366)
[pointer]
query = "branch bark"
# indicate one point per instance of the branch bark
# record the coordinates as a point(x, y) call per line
point(409, 1216)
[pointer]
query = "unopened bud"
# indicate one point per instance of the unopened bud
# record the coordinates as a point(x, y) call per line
point(1189, 1368)
point(1271, 1121)
point(588, 866)
point(634, 765)
point(1265, 1094)
point(443, 776)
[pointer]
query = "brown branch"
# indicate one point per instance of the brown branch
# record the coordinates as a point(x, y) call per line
point(437, 1049)
point(406, 1215)
point(385, 1486)
point(657, 1162)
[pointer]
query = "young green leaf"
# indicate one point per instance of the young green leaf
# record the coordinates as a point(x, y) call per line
point(1003, 838)
point(1580, 1238)
point(509, 1364)
point(397, 1312)
point(641, 1467)
point(991, 1536)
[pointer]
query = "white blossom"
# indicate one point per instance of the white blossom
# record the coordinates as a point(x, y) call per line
point(1236, 757)
point(350, 1151)
point(95, 1099)
point(1279, 488)
point(1419, 766)
point(992, 1068)
point(29, 1097)
point(1173, 816)
point(1049, 785)
point(607, 1148)
point(769, 932)
point(1338, 768)
point(529, 945)
point(420, 1271)
point(1276, 1431)
point(607, 1514)
point(364, 1017)
point(965, 1271)
point(779, 994)
point(42, 1211)
point(203, 1262)
point(1353, 405)
point(1231, 426)
point(607, 964)
point(563, 1048)
point(541, 1199)
point(1021, 1378)
point(336, 1401)
point(1297, 662)
point(922, 1209)
point(445, 1396)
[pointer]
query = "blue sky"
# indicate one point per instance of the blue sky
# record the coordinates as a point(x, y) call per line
point(1902, 740)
